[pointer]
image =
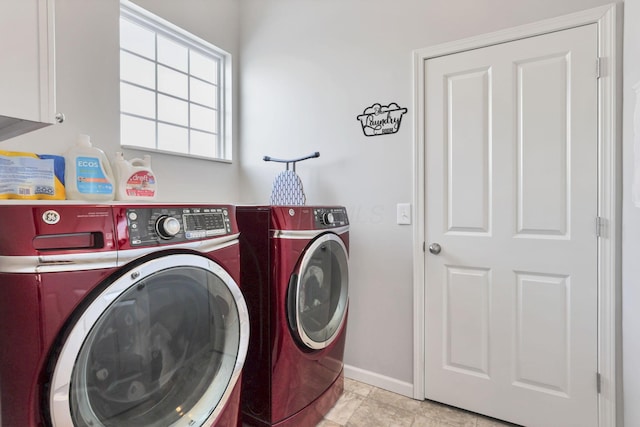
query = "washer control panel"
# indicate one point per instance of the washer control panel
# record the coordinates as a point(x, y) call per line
point(330, 217)
point(157, 225)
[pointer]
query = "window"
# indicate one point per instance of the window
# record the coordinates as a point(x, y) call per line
point(174, 90)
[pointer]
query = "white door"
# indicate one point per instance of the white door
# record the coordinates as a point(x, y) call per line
point(511, 198)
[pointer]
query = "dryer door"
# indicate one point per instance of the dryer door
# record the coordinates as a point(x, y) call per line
point(318, 293)
point(162, 345)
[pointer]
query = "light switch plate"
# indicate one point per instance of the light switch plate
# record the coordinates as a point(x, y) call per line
point(404, 214)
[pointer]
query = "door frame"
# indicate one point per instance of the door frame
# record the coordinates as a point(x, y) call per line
point(609, 23)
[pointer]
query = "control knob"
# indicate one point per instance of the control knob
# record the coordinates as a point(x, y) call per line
point(167, 226)
point(327, 218)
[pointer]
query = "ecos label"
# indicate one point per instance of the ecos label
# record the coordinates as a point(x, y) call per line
point(91, 178)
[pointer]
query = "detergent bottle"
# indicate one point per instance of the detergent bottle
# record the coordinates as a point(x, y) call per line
point(136, 180)
point(88, 175)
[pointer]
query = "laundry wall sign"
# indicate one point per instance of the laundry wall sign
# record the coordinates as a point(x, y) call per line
point(381, 119)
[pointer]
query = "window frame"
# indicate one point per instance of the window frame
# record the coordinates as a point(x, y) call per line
point(223, 107)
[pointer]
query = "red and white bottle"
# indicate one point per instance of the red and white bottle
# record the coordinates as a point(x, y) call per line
point(135, 179)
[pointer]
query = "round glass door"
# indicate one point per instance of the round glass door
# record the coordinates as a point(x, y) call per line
point(319, 295)
point(161, 346)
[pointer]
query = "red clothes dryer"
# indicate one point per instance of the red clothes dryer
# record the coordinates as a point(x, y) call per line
point(296, 282)
point(120, 315)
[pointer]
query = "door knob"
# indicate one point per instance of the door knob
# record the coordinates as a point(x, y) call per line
point(435, 248)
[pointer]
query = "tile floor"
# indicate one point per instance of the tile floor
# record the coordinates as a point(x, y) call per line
point(363, 405)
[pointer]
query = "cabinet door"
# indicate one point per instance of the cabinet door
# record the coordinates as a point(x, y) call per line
point(27, 72)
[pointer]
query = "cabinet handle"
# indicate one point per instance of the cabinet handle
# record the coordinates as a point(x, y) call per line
point(59, 117)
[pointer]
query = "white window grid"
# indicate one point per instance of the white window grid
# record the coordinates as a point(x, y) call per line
point(221, 106)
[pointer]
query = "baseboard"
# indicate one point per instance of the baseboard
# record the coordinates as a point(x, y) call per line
point(381, 381)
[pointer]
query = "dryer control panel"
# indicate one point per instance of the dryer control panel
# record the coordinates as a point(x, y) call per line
point(158, 225)
point(326, 217)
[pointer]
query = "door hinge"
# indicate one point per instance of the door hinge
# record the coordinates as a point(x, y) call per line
point(599, 226)
point(598, 382)
point(424, 246)
point(598, 67)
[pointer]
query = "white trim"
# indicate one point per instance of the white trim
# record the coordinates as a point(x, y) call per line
point(30, 264)
point(377, 380)
point(608, 19)
point(47, 70)
point(38, 264)
point(307, 234)
point(203, 246)
point(610, 201)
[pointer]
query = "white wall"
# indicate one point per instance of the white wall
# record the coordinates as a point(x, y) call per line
point(87, 80)
point(308, 68)
point(630, 223)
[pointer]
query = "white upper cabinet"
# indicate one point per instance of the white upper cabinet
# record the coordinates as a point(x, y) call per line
point(27, 70)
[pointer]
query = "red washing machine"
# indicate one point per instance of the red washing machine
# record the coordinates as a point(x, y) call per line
point(295, 280)
point(120, 315)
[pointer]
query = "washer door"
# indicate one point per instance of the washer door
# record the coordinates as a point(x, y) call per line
point(319, 292)
point(163, 345)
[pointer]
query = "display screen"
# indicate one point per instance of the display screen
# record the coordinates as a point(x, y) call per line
point(204, 221)
point(203, 224)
